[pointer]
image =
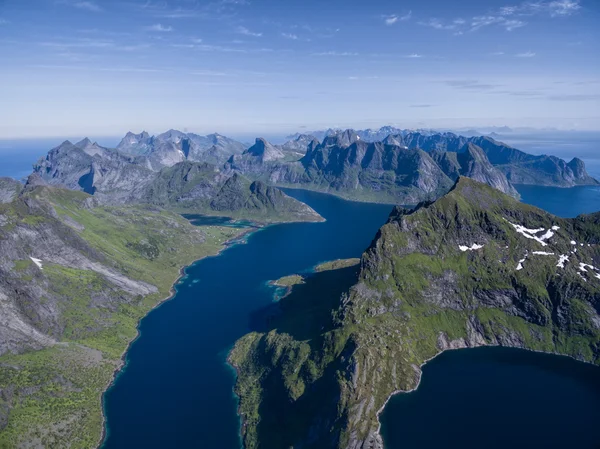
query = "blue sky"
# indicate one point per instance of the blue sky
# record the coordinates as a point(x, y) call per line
point(75, 67)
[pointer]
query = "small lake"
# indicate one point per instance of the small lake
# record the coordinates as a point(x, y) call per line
point(497, 398)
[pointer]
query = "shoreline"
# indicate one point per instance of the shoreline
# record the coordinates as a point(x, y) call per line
point(377, 433)
point(122, 364)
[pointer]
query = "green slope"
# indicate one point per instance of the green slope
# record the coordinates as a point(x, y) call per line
point(320, 377)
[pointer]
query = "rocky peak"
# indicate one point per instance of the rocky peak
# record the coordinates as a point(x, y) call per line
point(342, 139)
point(264, 150)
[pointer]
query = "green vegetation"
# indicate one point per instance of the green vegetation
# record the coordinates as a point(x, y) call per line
point(330, 358)
point(52, 397)
point(288, 281)
point(337, 264)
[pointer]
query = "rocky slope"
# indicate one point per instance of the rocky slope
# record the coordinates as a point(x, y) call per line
point(174, 146)
point(114, 178)
point(202, 188)
point(348, 166)
point(75, 278)
point(474, 268)
point(518, 166)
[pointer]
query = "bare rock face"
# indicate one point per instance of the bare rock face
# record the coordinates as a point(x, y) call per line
point(9, 189)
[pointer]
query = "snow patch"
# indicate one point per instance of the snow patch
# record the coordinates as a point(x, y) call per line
point(530, 233)
point(562, 260)
point(521, 262)
point(38, 262)
point(555, 228)
point(473, 247)
point(584, 266)
point(573, 242)
point(542, 253)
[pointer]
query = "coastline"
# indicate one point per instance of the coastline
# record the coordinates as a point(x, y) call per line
point(122, 364)
point(377, 433)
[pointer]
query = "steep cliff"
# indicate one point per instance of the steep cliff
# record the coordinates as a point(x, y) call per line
point(474, 268)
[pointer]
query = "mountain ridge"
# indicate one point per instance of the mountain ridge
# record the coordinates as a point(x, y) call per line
point(473, 268)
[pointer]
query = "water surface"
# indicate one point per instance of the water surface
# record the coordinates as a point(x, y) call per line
point(564, 202)
point(176, 390)
point(497, 398)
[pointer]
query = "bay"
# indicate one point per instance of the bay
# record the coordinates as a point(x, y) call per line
point(176, 390)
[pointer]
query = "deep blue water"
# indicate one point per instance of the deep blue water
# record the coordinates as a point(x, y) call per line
point(176, 390)
point(497, 398)
point(566, 203)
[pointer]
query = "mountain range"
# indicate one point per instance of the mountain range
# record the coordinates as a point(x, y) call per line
point(404, 167)
point(474, 268)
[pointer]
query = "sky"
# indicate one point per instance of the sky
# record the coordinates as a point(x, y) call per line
point(77, 67)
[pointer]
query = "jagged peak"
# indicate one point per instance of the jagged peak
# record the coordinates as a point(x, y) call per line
point(85, 142)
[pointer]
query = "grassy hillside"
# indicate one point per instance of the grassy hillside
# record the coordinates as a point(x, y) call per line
point(474, 268)
point(103, 268)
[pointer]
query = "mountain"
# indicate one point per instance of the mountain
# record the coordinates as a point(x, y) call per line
point(471, 161)
point(388, 171)
point(135, 144)
point(115, 179)
point(75, 279)
point(522, 168)
point(296, 148)
point(173, 146)
point(474, 268)
point(202, 188)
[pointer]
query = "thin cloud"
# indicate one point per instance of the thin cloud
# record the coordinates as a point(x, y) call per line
point(438, 24)
point(472, 85)
point(414, 56)
point(421, 105)
point(393, 18)
point(290, 36)
point(3, 21)
point(246, 32)
point(335, 53)
point(575, 97)
point(508, 17)
point(160, 28)
point(527, 54)
point(88, 6)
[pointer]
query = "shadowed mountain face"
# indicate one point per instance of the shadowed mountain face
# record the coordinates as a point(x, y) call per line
point(115, 178)
point(386, 171)
point(474, 268)
point(405, 168)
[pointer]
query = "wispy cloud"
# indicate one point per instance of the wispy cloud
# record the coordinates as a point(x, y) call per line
point(335, 53)
point(414, 56)
point(439, 24)
point(472, 85)
point(88, 6)
point(553, 8)
point(290, 36)
point(527, 54)
point(421, 105)
point(508, 17)
point(575, 97)
point(393, 18)
point(97, 69)
point(3, 21)
point(158, 27)
point(246, 32)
